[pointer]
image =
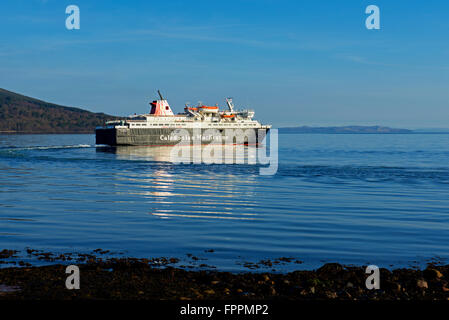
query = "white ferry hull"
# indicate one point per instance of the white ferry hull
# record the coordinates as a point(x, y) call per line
point(171, 136)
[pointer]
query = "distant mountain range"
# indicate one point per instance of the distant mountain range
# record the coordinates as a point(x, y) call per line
point(21, 114)
point(344, 129)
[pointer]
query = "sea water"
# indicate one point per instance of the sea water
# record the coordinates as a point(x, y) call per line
point(350, 198)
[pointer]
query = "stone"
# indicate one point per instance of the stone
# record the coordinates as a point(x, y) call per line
point(330, 268)
point(431, 273)
point(421, 283)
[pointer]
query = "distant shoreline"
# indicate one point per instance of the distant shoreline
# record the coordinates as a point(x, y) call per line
point(20, 114)
point(359, 129)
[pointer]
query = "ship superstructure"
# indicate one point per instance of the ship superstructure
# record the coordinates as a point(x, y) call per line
point(160, 124)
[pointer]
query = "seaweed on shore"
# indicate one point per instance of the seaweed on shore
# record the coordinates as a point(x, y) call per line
point(133, 278)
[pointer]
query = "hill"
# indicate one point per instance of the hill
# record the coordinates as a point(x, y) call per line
point(21, 114)
point(344, 129)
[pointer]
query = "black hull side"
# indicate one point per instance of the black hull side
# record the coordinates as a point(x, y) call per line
point(106, 136)
point(161, 137)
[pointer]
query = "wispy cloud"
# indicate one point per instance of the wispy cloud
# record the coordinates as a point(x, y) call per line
point(40, 73)
point(422, 65)
point(363, 60)
point(201, 37)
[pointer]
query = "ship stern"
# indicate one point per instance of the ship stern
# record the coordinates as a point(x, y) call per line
point(106, 136)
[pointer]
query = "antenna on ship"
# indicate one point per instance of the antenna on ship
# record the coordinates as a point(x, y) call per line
point(160, 95)
point(230, 104)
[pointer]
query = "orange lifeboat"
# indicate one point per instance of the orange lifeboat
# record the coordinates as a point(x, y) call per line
point(228, 116)
point(209, 109)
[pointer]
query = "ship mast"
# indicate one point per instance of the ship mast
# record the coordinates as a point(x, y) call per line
point(230, 104)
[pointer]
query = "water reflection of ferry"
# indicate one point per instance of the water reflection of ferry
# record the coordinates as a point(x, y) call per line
point(192, 192)
point(186, 154)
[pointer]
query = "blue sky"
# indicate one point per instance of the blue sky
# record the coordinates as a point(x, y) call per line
point(294, 62)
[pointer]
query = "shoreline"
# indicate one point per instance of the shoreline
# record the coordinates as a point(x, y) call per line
point(155, 279)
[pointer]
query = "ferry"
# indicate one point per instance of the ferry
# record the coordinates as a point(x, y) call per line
point(201, 124)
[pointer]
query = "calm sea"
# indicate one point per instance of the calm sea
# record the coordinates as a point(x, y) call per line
point(352, 199)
